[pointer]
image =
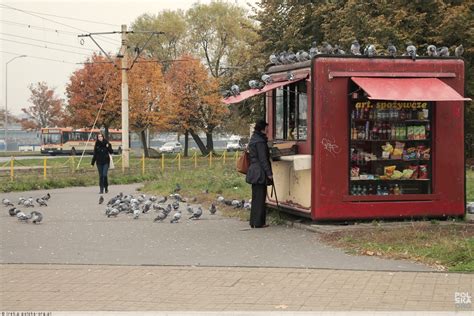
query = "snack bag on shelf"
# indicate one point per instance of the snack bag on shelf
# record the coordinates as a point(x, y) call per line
point(387, 149)
point(398, 151)
point(410, 153)
point(396, 175)
point(388, 170)
point(355, 172)
point(410, 132)
point(415, 172)
point(423, 172)
point(407, 173)
point(425, 154)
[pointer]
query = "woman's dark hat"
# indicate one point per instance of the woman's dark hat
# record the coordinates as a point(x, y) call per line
point(260, 125)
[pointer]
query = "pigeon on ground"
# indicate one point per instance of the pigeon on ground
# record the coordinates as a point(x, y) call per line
point(46, 197)
point(411, 51)
point(313, 50)
point(391, 50)
point(470, 207)
point(176, 217)
point(7, 202)
point(21, 200)
point(175, 205)
point(136, 213)
point(247, 205)
point(116, 198)
point(267, 79)
point(431, 51)
point(168, 209)
point(153, 198)
point(282, 58)
point(101, 199)
point(355, 48)
point(13, 211)
point(29, 203)
point(177, 197)
point(212, 209)
point(141, 198)
point(220, 199)
point(23, 217)
point(189, 209)
point(177, 188)
point(147, 206)
point(228, 202)
point(112, 212)
point(459, 51)
point(160, 217)
point(36, 217)
point(197, 212)
point(235, 90)
point(41, 202)
point(162, 200)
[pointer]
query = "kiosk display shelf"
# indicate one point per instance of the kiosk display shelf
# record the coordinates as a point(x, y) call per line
point(390, 148)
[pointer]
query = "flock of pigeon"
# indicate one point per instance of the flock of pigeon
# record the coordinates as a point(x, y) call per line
point(163, 206)
point(35, 216)
point(288, 57)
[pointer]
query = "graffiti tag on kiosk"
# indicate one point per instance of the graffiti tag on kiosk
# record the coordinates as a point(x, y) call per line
point(331, 146)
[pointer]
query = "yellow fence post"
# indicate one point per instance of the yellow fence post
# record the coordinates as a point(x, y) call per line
point(179, 161)
point(143, 164)
point(195, 159)
point(210, 159)
point(45, 175)
point(12, 168)
point(73, 163)
point(162, 162)
point(223, 156)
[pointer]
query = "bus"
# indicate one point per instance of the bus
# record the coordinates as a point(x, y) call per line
point(66, 140)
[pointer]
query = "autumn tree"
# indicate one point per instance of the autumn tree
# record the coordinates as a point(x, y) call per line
point(47, 108)
point(11, 118)
point(150, 100)
point(164, 47)
point(96, 84)
point(198, 106)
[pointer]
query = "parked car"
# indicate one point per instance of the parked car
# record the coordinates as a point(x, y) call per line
point(234, 145)
point(171, 147)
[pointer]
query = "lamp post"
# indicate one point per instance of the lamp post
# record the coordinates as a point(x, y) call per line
point(6, 97)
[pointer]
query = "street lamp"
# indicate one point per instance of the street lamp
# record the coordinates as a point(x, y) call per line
point(6, 97)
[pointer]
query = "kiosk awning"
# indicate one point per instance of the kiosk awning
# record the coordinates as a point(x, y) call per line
point(253, 92)
point(408, 89)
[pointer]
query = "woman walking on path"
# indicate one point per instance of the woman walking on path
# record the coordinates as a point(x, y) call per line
point(102, 151)
point(259, 174)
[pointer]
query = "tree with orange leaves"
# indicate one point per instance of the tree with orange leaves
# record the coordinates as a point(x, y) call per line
point(198, 104)
point(96, 84)
point(150, 100)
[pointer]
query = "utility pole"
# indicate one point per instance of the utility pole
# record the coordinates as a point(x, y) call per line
point(125, 125)
point(6, 98)
point(124, 67)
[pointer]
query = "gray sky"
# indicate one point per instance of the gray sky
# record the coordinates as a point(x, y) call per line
point(34, 27)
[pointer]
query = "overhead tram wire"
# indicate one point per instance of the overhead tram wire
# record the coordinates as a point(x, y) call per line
point(59, 16)
point(54, 43)
point(36, 57)
point(60, 23)
point(61, 50)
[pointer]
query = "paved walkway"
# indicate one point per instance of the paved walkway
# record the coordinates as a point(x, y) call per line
point(134, 288)
point(80, 260)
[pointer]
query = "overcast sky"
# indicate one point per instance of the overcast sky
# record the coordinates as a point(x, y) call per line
point(30, 24)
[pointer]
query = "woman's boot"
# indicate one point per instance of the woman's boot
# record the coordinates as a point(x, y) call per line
point(101, 184)
point(106, 184)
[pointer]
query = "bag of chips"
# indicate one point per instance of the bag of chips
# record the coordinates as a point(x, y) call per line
point(423, 172)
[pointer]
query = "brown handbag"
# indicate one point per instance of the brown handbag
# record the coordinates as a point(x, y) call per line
point(243, 162)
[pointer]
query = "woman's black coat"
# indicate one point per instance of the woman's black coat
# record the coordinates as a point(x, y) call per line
point(102, 149)
point(260, 168)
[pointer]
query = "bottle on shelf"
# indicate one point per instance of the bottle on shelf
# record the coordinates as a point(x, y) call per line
point(396, 190)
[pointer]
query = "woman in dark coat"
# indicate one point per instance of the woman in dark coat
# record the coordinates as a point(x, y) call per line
point(102, 150)
point(259, 174)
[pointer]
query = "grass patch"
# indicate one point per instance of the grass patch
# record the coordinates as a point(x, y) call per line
point(470, 185)
point(447, 246)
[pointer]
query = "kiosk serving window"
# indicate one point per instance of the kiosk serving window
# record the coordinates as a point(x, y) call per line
point(291, 108)
point(390, 147)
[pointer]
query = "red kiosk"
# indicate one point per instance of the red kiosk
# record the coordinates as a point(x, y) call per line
point(374, 137)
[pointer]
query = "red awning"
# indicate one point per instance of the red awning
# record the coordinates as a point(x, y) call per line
point(408, 89)
point(253, 92)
